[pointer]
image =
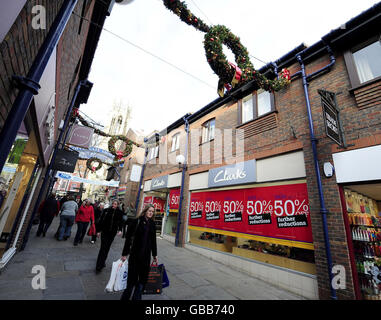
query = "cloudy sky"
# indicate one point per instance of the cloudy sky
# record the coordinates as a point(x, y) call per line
point(159, 93)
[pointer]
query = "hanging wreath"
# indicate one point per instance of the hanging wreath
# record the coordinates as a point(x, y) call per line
point(229, 74)
point(90, 166)
point(120, 154)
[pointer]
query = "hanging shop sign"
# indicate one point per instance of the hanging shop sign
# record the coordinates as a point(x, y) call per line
point(278, 212)
point(159, 183)
point(65, 160)
point(81, 136)
point(94, 152)
point(239, 173)
point(136, 171)
point(331, 116)
point(174, 199)
point(68, 176)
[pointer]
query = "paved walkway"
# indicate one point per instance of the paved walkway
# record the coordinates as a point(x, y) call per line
point(70, 273)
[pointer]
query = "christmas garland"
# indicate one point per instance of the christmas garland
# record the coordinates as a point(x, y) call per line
point(229, 74)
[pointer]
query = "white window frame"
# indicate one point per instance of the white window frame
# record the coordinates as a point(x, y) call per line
point(207, 133)
point(175, 142)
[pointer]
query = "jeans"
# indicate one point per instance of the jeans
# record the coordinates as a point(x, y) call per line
point(66, 223)
point(81, 231)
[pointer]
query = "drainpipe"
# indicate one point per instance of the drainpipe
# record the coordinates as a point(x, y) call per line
point(48, 170)
point(141, 178)
point(177, 244)
point(28, 86)
point(323, 209)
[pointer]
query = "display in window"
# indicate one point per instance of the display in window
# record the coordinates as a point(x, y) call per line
point(365, 224)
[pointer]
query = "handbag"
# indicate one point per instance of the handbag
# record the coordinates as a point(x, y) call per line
point(92, 231)
point(111, 283)
point(121, 276)
point(165, 280)
point(154, 284)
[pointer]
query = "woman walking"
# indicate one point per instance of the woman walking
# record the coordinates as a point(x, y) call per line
point(49, 209)
point(140, 244)
point(97, 214)
point(110, 224)
point(84, 216)
point(68, 212)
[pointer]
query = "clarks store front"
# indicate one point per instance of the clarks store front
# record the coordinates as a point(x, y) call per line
point(255, 216)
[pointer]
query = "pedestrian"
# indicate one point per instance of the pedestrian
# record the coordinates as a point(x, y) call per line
point(84, 216)
point(48, 210)
point(130, 215)
point(67, 217)
point(97, 215)
point(110, 224)
point(140, 244)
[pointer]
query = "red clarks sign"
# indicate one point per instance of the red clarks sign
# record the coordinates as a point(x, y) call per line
point(280, 212)
point(174, 199)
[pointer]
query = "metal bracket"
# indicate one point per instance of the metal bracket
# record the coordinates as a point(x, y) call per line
point(26, 83)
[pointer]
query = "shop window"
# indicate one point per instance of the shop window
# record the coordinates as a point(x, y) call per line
point(365, 226)
point(298, 259)
point(175, 142)
point(255, 105)
point(208, 129)
point(363, 62)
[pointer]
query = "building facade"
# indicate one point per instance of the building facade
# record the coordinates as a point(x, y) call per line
point(284, 185)
point(46, 50)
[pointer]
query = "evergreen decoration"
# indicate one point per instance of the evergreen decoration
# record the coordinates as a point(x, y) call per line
point(90, 166)
point(120, 154)
point(229, 74)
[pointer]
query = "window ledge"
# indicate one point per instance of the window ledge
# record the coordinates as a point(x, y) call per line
point(206, 142)
point(351, 90)
point(260, 117)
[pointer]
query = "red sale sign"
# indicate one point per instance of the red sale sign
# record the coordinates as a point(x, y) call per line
point(159, 204)
point(174, 199)
point(280, 212)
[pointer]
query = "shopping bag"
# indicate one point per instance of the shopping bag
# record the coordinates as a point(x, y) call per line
point(111, 282)
point(154, 283)
point(165, 280)
point(92, 231)
point(121, 277)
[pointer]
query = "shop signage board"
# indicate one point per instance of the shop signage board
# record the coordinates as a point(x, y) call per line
point(331, 116)
point(68, 176)
point(239, 173)
point(174, 199)
point(81, 136)
point(278, 212)
point(65, 160)
point(159, 204)
point(159, 183)
point(94, 152)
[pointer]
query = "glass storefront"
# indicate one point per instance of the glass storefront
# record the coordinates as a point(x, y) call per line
point(269, 223)
point(14, 181)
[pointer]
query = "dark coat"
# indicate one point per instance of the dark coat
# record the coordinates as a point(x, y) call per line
point(140, 247)
point(50, 207)
point(111, 221)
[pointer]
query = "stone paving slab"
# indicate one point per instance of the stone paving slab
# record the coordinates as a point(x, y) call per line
point(70, 273)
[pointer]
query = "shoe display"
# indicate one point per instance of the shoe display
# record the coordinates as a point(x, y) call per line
point(92, 241)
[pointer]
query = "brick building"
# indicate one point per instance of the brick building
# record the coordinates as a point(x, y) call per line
point(279, 212)
point(46, 51)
